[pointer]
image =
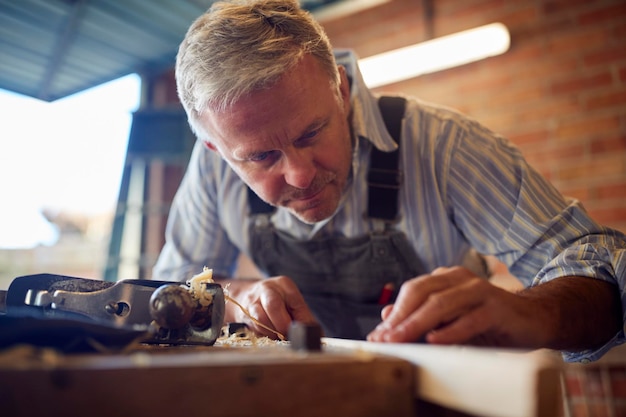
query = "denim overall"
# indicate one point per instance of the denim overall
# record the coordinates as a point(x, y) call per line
point(342, 279)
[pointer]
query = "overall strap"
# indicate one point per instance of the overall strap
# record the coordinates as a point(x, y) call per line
point(384, 177)
point(256, 205)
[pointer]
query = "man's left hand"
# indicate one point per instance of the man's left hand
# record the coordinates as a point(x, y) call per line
point(454, 306)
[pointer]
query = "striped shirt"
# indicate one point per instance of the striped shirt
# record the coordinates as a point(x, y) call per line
point(463, 187)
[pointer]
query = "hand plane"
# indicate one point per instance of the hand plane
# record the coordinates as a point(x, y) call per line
point(161, 312)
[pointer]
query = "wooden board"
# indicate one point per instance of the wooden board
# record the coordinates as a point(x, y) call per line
point(205, 381)
point(478, 381)
point(348, 378)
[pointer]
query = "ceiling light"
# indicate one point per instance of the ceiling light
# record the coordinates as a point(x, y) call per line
point(435, 55)
point(344, 8)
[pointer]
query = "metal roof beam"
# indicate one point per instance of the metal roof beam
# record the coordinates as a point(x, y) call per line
point(61, 47)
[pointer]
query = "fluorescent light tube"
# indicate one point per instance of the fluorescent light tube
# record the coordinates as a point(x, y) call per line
point(435, 55)
point(342, 9)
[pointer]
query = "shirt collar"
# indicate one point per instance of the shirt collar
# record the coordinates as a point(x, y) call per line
point(367, 121)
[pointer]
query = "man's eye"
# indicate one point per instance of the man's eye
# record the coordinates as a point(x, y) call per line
point(307, 137)
point(310, 135)
point(263, 156)
point(259, 157)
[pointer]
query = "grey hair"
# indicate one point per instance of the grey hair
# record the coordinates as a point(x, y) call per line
point(239, 47)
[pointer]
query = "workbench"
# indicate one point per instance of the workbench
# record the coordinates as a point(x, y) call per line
point(345, 378)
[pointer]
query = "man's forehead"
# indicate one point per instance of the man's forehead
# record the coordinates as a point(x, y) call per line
point(294, 96)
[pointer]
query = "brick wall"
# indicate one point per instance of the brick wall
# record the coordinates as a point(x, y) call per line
point(559, 93)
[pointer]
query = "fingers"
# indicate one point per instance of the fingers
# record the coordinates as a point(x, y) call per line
point(405, 319)
point(386, 311)
point(463, 329)
point(445, 305)
point(275, 303)
point(294, 303)
point(266, 314)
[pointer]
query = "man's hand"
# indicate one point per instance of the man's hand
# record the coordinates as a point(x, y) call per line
point(275, 302)
point(452, 306)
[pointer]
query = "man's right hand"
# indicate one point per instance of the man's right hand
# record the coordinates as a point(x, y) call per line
point(275, 302)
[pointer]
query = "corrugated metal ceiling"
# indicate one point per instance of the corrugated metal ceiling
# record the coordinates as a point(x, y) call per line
point(50, 49)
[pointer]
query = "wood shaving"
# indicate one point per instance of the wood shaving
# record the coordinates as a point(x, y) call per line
point(246, 338)
point(204, 298)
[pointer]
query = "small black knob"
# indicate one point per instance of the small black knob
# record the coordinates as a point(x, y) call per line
point(172, 306)
point(305, 336)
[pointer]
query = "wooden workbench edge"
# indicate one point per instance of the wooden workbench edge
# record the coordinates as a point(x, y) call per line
point(478, 381)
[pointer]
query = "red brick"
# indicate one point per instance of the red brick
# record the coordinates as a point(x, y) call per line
point(604, 14)
point(573, 384)
point(531, 138)
point(609, 144)
point(607, 99)
point(576, 40)
point(579, 193)
point(608, 215)
point(525, 14)
point(592, 383)
point(581, 82)
point(518, 92)
point(557, 153)
point(562, 6)
point(459, 15)
point(615, 192)
point(560, 109)
point(585, 127)
point(538, 66)
point(467, 8)
point(618, 381)
point(601, 167)
point(605, 56)
point(363, 30)
point(495, 82)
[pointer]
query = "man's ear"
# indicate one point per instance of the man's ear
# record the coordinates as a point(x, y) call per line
point(344, 87)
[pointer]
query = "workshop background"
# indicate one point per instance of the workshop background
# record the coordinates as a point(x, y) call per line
point(559, 93)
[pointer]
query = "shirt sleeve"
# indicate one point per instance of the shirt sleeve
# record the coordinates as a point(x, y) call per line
point(194, 236)
point(507, 209)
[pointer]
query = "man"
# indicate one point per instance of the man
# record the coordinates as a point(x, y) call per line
point(276, 112)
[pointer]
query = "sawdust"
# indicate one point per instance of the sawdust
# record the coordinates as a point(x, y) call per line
point(246, 338)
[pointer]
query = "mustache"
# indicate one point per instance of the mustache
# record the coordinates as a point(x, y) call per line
point(318, 183)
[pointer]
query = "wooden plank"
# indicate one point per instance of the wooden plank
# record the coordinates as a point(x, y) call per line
point(193, 382)
point(478, 381)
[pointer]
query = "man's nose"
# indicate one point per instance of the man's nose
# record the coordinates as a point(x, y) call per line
point(299, 168)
